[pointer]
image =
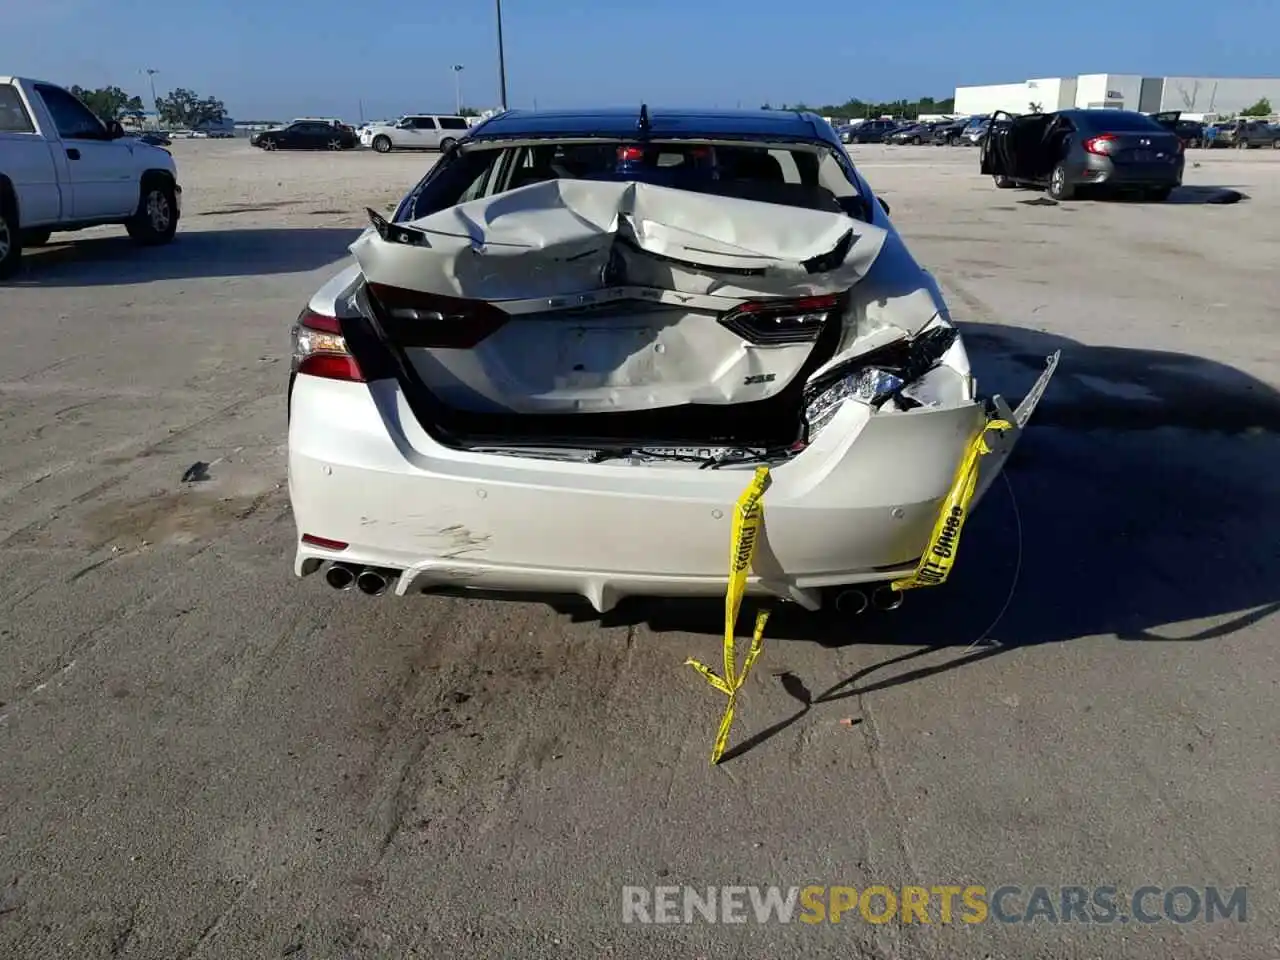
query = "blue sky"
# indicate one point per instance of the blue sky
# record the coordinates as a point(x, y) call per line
point(284, 58)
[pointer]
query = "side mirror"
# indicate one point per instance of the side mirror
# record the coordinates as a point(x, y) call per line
point(884, 205)
point(114, 130)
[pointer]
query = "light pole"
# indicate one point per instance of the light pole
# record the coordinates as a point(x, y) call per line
point(151, 76)
point(457, 88)
point(502, 61)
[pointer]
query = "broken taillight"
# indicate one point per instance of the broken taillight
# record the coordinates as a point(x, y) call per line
point(320, 350)
point(416, 319)
point(1100, 145)
point(769, 322)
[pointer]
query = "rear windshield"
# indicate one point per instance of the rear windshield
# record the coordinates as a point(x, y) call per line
point(13, 115)
point(1119, 121)
point(807, 176)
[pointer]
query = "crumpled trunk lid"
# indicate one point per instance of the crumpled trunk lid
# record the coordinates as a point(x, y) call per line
point(575, 298)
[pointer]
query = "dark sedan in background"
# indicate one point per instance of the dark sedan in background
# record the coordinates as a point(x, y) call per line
point(1072, 150)
point(914, 133)
point(948, 132)
point(306, 135)
point(868, 131)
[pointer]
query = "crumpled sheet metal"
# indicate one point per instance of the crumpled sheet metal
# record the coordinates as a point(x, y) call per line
point(557, 238)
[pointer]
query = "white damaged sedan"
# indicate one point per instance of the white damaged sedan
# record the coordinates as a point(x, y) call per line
point(559, 363)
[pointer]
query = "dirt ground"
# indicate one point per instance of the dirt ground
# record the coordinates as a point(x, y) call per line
point(201, 756)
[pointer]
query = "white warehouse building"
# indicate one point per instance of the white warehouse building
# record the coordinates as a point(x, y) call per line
point(1195, 96)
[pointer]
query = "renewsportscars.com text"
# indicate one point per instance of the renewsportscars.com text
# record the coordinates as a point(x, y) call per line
point(943, 904)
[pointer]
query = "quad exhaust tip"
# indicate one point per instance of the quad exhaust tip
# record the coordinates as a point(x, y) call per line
point(887, 598)
point(339, 576)
point(851, 602)
point(368, 580)
point(371, 582)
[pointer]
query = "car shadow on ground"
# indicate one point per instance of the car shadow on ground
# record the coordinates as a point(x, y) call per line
point(109, 261)
point(1140, 505)
point(1184, 195)
point(1140, 501)
point(1207, 194)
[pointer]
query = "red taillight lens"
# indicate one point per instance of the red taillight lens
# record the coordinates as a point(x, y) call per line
point(781, 321)
point(320, 350)
point(630, 153)
point(1101, 145)
point(416, 319)
point(313, 540)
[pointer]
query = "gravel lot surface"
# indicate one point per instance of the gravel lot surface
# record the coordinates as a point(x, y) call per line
point(201, 756)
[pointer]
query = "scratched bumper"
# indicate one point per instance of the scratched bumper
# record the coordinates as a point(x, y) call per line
point(857, 506)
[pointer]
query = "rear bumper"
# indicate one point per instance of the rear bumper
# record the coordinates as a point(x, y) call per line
point(1103, 171)
point(856, 507)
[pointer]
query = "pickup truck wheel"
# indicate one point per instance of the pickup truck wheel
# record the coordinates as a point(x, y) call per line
point(10, 238)
point(36, 238)
point(382, 144)
point(157, 218)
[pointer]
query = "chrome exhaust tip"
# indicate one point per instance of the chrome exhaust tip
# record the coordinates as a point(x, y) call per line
point(339, 576)
point(887, 598)
point(851, 602)
point(371, 582)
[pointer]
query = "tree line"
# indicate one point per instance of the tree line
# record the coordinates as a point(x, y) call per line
point(181, 108)
point(855, 109)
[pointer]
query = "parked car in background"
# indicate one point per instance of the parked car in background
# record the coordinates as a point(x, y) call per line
point(306, 135)
point(871, 131)
point(611, 365)
point(948, 132)
point(911, 133)
point(845, 132)
point(61, 168)
point(975, 131)
point(1248, 134)
point(1190, 132)
point(419, 131)
point(1070, 150)
point(155, 139)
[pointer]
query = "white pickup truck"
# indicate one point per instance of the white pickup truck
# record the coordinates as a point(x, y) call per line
point(61, 168)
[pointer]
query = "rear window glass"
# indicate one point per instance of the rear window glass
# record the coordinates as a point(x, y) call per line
point(452, 123)
point(1119, 121)
point(13, 113)
point(809, 177)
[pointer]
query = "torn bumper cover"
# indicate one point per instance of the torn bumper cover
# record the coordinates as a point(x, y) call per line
point(881, 398)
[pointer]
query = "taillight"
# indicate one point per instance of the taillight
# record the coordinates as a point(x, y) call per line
point(781, 321)
point(416, 319)
point(630, 154)
point(325, 542)
point(1101, 145)
point(320, 350)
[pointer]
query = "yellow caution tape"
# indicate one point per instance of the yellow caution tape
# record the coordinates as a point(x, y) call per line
point(748, 518)
point(935, 565)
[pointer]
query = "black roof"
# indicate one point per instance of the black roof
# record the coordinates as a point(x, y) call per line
point(624, 122)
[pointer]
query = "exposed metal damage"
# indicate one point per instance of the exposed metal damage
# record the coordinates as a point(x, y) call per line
point(627, 298)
